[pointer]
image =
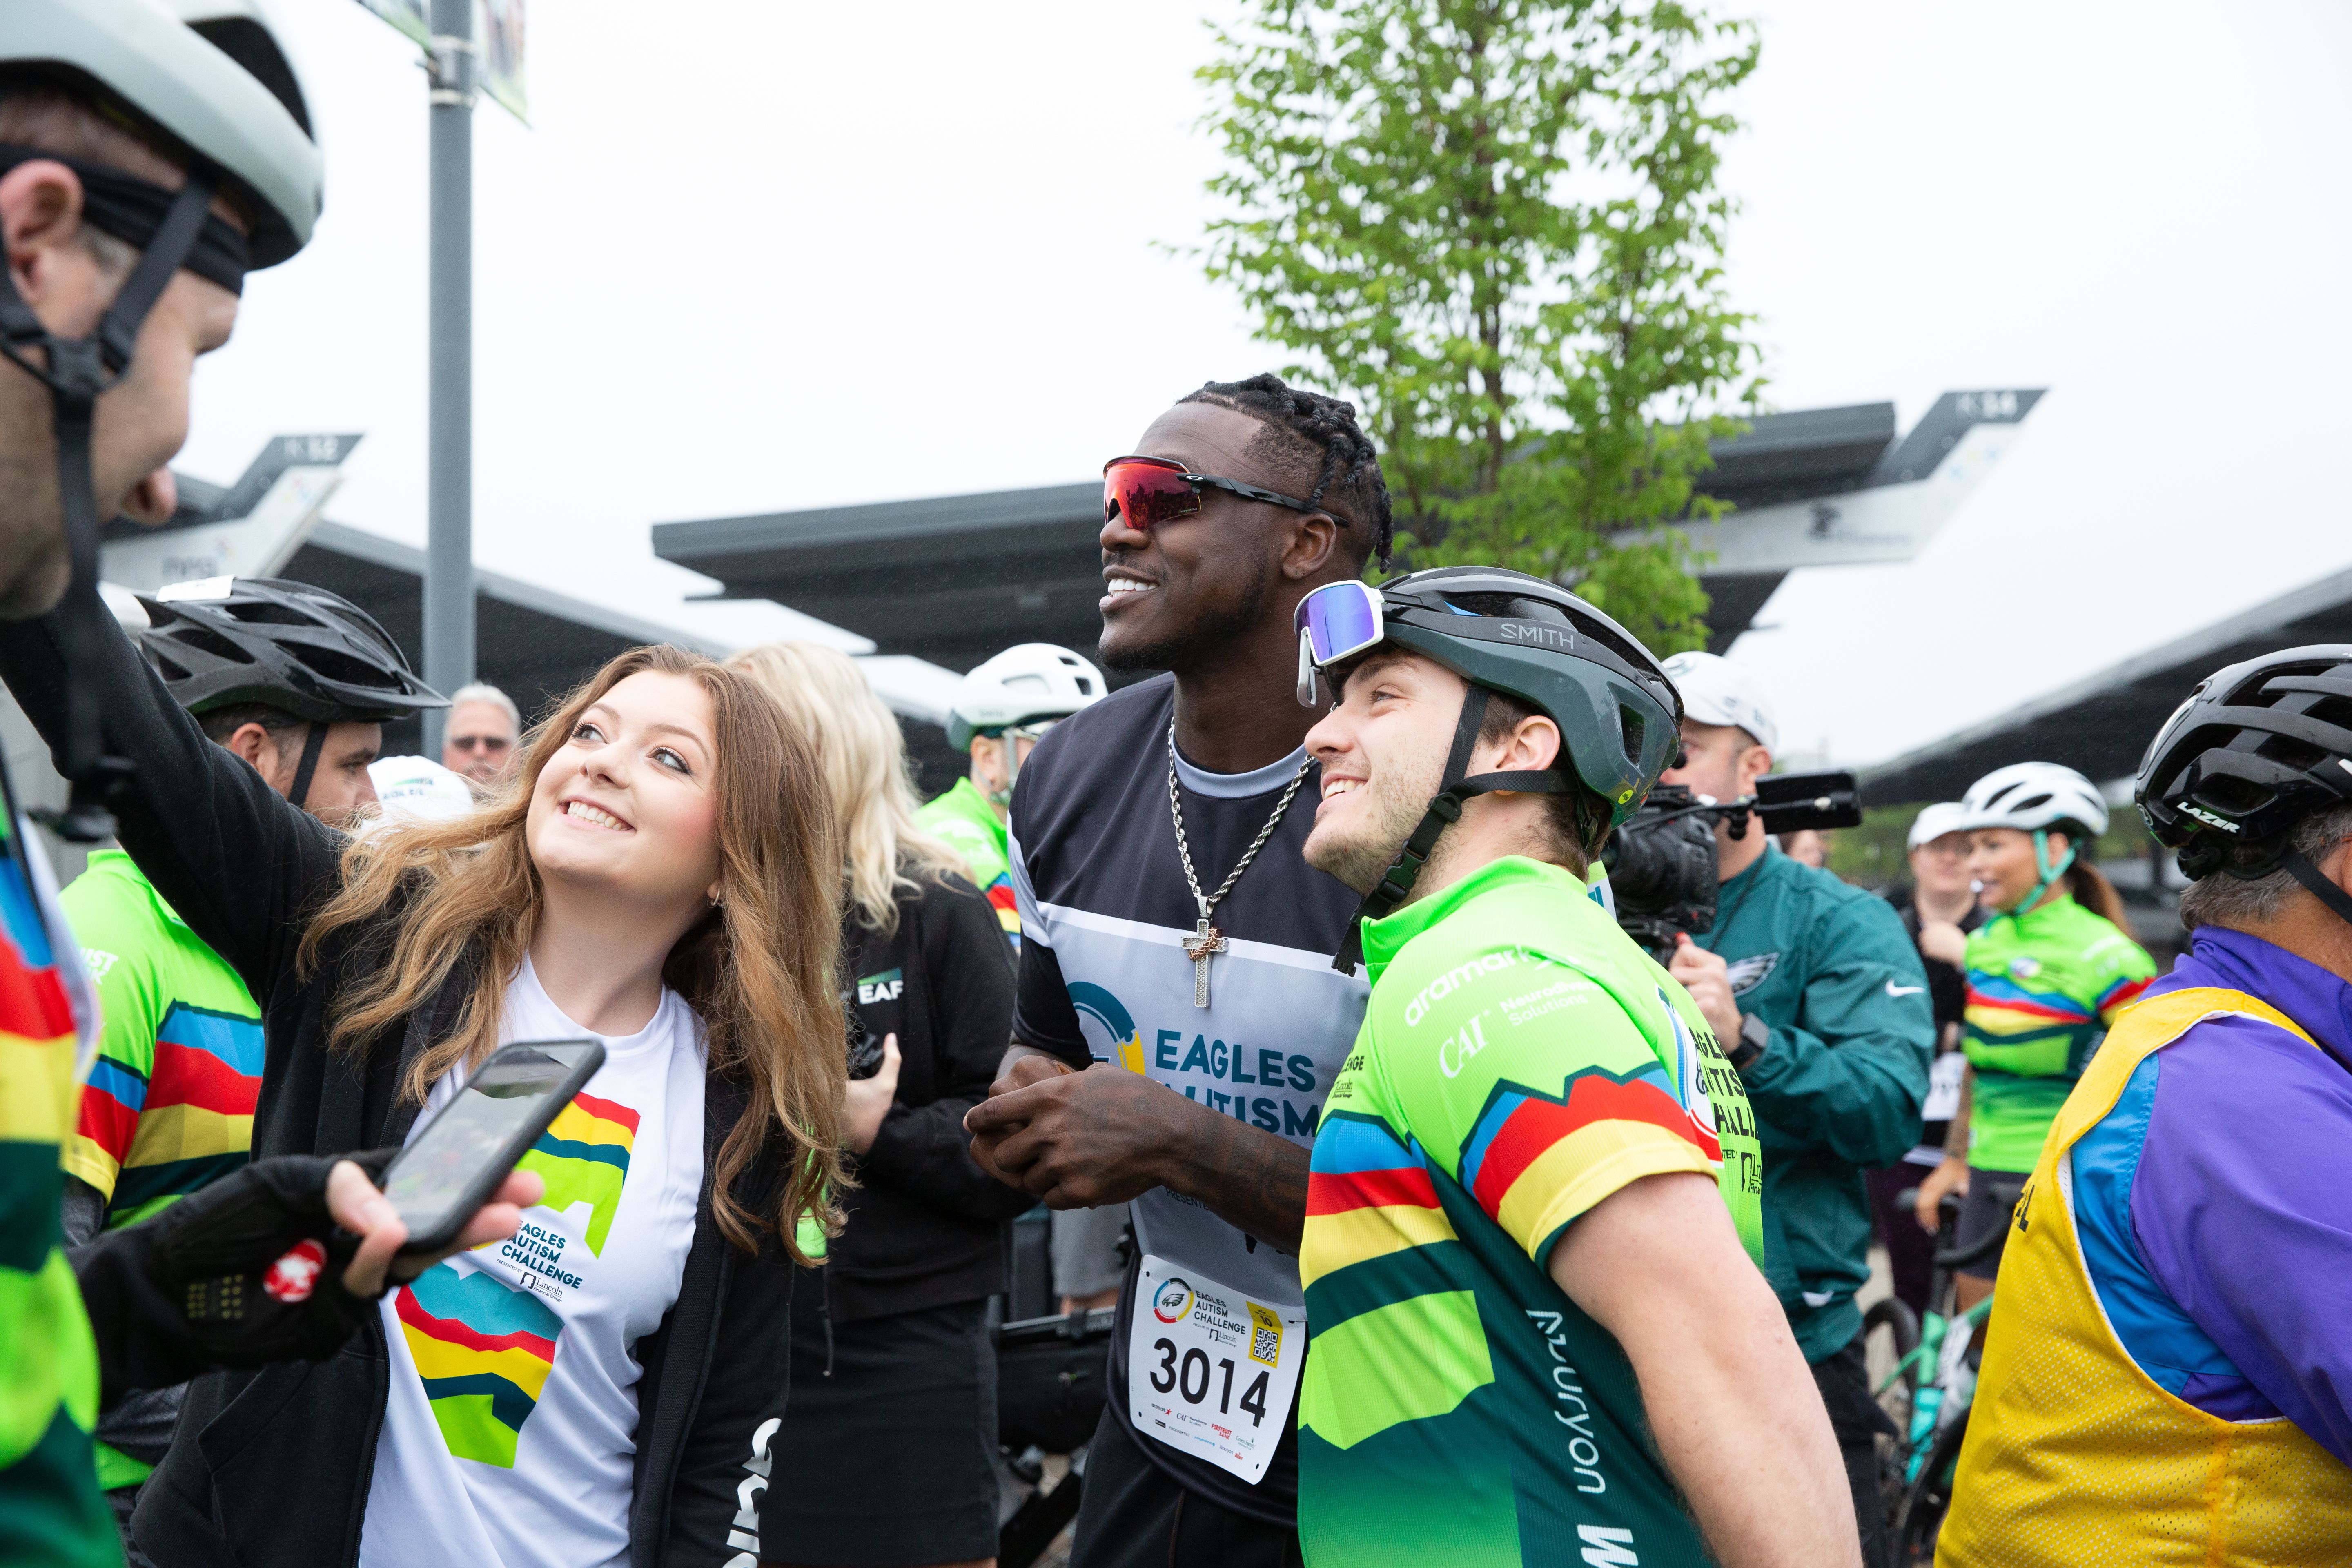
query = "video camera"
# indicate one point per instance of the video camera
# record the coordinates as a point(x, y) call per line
point(1662, 862)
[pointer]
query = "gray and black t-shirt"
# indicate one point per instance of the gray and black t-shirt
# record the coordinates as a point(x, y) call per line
point(1104, 912)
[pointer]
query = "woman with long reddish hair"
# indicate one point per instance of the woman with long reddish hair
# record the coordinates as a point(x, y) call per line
point(662, 872)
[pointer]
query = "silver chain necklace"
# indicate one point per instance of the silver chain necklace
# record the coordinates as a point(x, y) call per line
point(1207, 940)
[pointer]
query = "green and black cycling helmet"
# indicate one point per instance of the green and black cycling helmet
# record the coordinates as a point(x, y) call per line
point(1619, 715)
point(2257, 748)
point(224, 641)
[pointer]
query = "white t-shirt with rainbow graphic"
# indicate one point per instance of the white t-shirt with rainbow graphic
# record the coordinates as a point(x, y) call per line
point(512, 1423)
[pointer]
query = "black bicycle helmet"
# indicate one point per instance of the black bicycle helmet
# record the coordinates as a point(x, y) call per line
point(1619, 717)
point(2257, 748)
point(313, 654)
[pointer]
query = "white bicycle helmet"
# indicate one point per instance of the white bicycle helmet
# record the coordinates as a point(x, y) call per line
point(2034, 797)
point(2031, 795)
point(213, 75)
point(1027, 685)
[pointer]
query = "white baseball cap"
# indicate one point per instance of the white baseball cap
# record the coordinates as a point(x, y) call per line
point(1934, 821)
point(419, 789)
point(1717, 692)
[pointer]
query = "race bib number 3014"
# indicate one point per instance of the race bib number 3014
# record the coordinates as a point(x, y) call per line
point(1211, 1372)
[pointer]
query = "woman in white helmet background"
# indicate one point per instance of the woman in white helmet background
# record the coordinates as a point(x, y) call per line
point(2047, 972)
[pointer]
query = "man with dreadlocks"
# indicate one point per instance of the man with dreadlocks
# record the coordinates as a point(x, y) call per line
point(1176, 952)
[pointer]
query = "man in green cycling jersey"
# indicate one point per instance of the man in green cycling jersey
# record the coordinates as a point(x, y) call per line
point(1538, 1324)
point(999, 712)
point(297, 681)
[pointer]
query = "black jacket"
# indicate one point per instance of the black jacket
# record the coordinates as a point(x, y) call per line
point(925, 1227)
point(273, 1466)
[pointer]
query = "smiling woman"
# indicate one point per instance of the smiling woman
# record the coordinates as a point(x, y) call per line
point(663, 873)
point(653, 810)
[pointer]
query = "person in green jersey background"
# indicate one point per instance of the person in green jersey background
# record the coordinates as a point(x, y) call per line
point(2046, 976)
point(297, 681)
point(999, 712)
point(1538, 1324)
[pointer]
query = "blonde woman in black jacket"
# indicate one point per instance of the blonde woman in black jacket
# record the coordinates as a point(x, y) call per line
point(603, 1388)
point(887, 1459)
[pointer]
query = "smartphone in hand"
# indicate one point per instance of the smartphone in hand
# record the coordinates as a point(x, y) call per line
point(449, 1170)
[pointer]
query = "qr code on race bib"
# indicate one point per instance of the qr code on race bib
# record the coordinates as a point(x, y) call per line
point(1265, 1335)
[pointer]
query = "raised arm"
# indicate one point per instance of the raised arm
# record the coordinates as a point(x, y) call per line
point(235, 861)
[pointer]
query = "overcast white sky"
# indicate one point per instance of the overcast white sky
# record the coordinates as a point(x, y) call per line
point(756, 255)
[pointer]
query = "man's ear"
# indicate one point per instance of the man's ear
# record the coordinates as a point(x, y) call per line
point(1313, 544)
point(2337, 864)
point(252, 742)
point(40, 219)
point(1534, 745)
point(1754, 764)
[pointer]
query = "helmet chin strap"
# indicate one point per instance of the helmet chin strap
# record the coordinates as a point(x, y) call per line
point(78, 371)
point(2050, 873)
point(2301, 869)
point(298, 792)
point(1395, 886)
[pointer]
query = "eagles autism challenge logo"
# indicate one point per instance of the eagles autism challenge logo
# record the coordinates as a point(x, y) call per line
point(1106, 1010)
point(1172, 1300)
point(483, 1352)
point(584, 1157)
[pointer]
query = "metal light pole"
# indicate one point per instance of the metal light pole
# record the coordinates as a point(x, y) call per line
point(449, 491)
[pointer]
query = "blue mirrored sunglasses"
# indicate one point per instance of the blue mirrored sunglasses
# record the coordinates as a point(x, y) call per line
point(1334, 622)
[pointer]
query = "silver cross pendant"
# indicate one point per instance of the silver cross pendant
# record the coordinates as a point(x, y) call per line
point(1204, 940)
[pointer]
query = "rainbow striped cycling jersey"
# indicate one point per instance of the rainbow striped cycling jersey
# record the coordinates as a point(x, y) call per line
point(169, 1106)
point(51, 1508)
point(1521, 1061)
point(2042, 989)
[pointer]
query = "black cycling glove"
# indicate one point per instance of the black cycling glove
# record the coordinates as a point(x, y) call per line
point(246, 1271)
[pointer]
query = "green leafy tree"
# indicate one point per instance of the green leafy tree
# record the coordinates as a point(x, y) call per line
point(1496, 224)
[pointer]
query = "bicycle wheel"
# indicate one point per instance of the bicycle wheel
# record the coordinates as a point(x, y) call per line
point(1922, 1516)
point(1890, 1332)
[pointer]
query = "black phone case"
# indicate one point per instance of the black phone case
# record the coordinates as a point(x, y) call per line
point(496, 1170)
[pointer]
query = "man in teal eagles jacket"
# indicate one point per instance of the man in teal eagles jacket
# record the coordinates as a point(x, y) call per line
point(1819, 999)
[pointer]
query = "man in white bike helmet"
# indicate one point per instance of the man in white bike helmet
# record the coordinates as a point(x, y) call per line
point(2047, 974)
point(151, 154)
point(999, 712)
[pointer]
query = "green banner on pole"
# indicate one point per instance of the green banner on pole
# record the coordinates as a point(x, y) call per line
point(408, 16)
point(498, 34)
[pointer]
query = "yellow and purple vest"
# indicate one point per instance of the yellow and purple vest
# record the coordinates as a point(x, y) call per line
point(2074, 1455)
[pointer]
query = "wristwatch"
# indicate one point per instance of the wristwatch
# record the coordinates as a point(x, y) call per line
point(1753, 1037)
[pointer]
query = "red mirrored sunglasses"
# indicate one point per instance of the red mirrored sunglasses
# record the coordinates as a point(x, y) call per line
point(1148, 491)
